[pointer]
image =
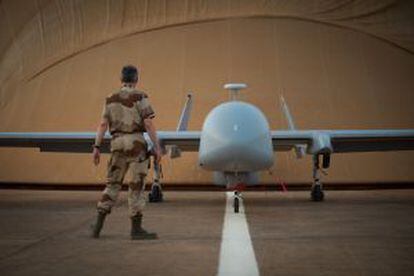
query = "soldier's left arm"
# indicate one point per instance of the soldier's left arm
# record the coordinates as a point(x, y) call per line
point(102, 127)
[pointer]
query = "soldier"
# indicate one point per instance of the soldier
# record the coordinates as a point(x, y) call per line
point(128, 114)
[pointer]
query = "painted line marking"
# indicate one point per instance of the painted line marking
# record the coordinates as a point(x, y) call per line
point(236, 252)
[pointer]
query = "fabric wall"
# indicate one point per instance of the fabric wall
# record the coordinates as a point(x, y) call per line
point(339, 64)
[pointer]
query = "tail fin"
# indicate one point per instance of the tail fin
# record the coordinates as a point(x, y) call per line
point(287, 114)
point(185, 114)
point(299, 149)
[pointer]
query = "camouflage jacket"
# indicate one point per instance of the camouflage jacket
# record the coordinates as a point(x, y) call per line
point(125, 111)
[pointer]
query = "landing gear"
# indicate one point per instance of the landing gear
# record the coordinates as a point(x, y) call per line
point(236, 201)
point(317, 193)
point(156, 190)
point(156, 193)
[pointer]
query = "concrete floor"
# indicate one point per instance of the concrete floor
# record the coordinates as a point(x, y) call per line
point(351, 233)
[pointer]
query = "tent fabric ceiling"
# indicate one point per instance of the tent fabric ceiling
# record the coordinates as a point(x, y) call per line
point(339, 64)
point(39, 34)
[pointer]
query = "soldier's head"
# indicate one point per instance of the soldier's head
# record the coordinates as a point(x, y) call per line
point(129, 75)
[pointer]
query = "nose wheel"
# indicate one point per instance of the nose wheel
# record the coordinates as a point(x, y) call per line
point(237, 197)
point(236, 201)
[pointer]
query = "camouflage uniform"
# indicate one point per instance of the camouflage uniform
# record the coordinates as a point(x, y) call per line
point(125, 111)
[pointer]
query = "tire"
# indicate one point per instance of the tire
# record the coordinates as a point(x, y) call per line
point(317, 193)
point(156, 194)
point(236, 204)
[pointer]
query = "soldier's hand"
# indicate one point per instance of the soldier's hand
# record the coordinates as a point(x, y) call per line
point(96, 156)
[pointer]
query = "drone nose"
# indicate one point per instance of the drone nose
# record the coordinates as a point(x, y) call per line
point(241, 149)
point(235, 137)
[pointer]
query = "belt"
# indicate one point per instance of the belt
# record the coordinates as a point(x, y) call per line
point(120, 133)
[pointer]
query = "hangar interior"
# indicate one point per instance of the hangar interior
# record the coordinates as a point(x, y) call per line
point(339, 64)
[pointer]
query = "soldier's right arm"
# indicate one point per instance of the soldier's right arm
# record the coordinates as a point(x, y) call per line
point(152, 132)
point(147, 115)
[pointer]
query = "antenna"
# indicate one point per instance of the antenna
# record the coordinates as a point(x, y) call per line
point(234, 89)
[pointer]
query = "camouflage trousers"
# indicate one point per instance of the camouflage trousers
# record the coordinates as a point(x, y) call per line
point(118, 166)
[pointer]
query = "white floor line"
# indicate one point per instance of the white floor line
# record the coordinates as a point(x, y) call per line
point(236, 252)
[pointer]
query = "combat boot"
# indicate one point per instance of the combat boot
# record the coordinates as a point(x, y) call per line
point(137, 232)
point(97, 226)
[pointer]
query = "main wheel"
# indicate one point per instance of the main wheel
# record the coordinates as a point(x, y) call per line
point(317, 193)
point(236, 204)
point(156, 194)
